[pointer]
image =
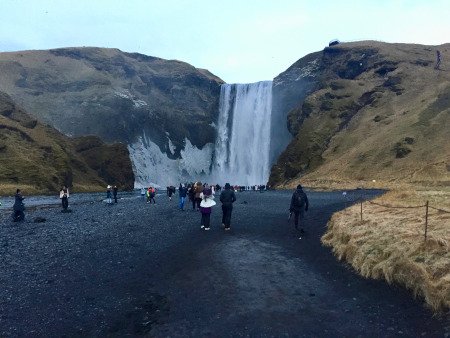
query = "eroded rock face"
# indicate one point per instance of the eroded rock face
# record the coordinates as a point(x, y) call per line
point(117, 96)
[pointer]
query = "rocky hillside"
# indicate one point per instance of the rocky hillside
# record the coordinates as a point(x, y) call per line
point(40, 159)
point(370, 111)
point(162, 109)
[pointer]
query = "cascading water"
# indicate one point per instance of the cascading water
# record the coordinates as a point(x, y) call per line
point(243, 141)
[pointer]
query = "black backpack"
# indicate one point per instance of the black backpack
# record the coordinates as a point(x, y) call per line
point(300, 199)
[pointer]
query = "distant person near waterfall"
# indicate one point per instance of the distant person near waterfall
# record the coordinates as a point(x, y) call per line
point(18, 207)
point(182, 192)
point(115, 193)
point(299, 205)
point(227, 197)
point(64, 196)
point(206, 204)
point(191, 194)
point(108, 195)
point(198, 191)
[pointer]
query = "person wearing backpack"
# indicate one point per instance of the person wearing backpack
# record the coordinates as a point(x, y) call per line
point(299, 205)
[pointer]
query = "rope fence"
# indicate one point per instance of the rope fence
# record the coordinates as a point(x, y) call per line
point(426, 206)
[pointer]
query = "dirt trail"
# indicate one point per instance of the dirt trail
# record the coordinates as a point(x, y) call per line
point(135, 269)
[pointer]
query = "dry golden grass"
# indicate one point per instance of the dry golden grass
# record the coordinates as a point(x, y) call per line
point(389, 243)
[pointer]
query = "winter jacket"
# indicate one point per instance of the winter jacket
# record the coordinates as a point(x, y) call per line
point(18, 204)
point(227, 197)
point(299, 201)
point(62, 192)
point(198, 190)
point(182, 191)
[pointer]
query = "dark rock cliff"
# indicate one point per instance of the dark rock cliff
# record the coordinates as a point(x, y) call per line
point(112, 94)
point(155, 105)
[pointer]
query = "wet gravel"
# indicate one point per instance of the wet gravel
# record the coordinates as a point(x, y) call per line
point(134, 269)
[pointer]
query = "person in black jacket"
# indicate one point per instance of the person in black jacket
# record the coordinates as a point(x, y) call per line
point(299, 205)
point(182, 191)
point(18, 207)
point(115, 193)
point(227, 197)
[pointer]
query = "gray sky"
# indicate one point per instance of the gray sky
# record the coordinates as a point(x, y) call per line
point(240, 41)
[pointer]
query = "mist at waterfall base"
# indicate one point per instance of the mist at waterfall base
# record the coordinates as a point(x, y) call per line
point(241, 153)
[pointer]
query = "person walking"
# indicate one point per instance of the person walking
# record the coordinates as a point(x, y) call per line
point(227, 197)
point(182, 192)
point(206, 204)
point(64, 196)
point(299, 205)
point(170, 191)
point(18, 207)
point(115, 193)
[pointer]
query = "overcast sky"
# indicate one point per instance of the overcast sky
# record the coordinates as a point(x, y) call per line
point(240, 41)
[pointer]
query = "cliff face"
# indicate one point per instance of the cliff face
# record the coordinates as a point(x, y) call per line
point(40, 159)
point(162, 110)
point(290, 89)
point(372, 111)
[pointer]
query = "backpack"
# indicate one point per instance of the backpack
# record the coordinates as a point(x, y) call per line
point(300, 199)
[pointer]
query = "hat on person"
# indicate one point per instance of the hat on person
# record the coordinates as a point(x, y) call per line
point(299, 186)
point(108, 187)
point(227, 186)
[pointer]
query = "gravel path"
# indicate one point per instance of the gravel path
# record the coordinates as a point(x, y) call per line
point(136, 269)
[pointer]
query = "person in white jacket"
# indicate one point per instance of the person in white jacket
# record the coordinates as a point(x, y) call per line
point(64, 196)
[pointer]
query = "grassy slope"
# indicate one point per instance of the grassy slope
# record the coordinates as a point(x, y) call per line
point(389, 123)
point(38, 158)
point(389, 243)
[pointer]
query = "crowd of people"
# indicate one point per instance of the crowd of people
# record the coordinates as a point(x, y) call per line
point(201, 197)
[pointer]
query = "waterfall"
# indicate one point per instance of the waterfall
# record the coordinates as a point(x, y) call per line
point(243, 140)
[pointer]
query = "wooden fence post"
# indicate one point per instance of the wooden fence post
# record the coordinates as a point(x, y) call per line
point(361, 209)
point(426, 220)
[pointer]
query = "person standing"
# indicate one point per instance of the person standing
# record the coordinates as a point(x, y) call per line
point(182, 192)
point(115, 193)
point(206, 204)
point(191, 194)
point(227, 197)
point(108, 194)
point(18, 207)
point(198, 191)
point(152, 195)
point(299, 205)
point(170, 192)
point(64, 196)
